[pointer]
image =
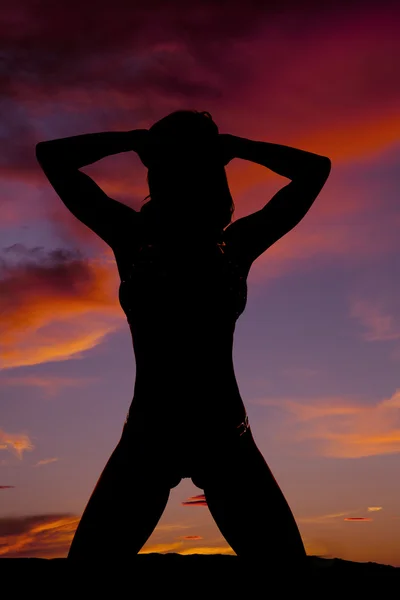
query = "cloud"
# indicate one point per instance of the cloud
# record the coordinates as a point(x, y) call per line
point(340, 225)
point(337, 99)
point(18, 443)
point(170, 527)
point(6, 487)
point(342, 97)
point(208, 550)
point(49, 384)
point(340, 428)
point(199, 500)
point(334, 518)
point(379, 324)
point(37, 536)
point(161, 548)
point(181, 548)
point(45, 461)
point(54, 305)
point(330, 518)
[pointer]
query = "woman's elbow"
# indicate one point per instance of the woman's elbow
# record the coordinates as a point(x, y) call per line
point(41, 151)
point(45, 153)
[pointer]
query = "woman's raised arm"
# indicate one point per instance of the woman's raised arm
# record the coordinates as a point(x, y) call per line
point(252, 235)
point(80, 150)
point(61, 160)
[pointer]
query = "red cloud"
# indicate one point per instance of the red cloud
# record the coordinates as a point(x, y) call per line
point(199, 500)
point(6, 487)
point(357, 519)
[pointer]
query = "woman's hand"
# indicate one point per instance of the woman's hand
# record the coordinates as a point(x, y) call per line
point(151, 148)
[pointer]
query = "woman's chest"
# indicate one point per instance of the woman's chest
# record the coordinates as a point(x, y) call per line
point(180, 282)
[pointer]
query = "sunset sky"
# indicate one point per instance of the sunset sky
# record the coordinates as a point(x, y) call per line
point(317, 351)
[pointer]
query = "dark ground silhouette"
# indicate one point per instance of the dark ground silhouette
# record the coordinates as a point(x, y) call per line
point(217, 576)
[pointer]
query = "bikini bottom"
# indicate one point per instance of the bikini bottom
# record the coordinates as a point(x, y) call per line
point(172, 454)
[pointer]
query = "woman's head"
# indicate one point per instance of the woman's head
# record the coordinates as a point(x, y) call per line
point(186, 176)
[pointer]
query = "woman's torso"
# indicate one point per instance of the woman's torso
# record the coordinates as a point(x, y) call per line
point(182, 302)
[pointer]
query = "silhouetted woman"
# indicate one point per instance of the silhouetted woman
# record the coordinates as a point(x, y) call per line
point(183, 267)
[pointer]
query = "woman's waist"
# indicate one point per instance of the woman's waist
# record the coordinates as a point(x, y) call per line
point(186, 327)
point(178, 381)
point(187, 420)
point(179, 354)
point(189, 407)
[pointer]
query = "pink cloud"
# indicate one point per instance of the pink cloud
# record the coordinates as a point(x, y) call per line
point(378, 323)
point(50, 385)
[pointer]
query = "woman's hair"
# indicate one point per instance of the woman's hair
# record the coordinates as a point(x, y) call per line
point(194, 135)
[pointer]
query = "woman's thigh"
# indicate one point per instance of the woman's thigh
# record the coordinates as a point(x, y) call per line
point(247, 504)
point(145, 456)
point(227, 457)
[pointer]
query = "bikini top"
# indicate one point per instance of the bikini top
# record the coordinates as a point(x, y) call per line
point(210, 284)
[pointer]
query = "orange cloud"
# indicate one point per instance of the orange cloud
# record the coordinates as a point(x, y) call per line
point(53, 305)
point(341, 428)
point(43, 536)
point(209, 550)
point(374, 508)
point(161, 548)
point(45, 461)
point(181, 548)
point(18, 443)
